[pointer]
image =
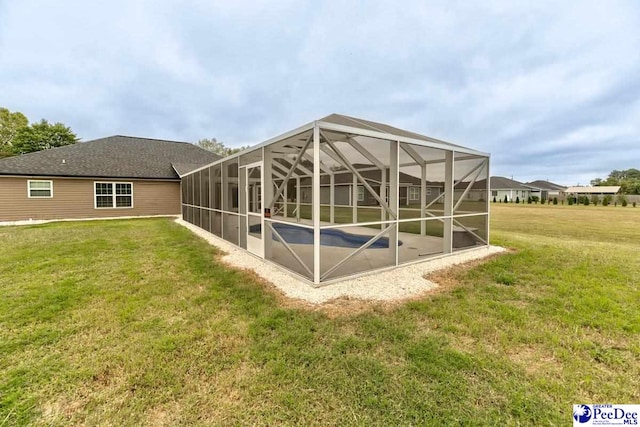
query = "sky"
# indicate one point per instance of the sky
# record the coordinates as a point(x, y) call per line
point(551, 89)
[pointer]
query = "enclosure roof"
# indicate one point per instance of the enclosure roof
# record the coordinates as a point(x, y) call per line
point(356, 127)
point(340, 119)
point(111, 157)
point(604, 189)
point(546, 185)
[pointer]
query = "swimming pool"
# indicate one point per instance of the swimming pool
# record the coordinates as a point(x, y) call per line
point(332, 237)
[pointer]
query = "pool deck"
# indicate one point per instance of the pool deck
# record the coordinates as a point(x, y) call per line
point(400, 283)
point(414, 247)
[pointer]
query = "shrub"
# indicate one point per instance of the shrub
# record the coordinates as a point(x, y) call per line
point(606, 201)
point(517, 199)
point(585, 201)
point(535, 199)
point(506, 200)
point(494, 199)
point(633, 204)
point(570, 201)
point(529, 200)
point(595, 199)
point(555, 200)
point(549, 201)
point(622, 200)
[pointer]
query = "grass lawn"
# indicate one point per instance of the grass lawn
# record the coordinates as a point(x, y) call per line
point(134, 322)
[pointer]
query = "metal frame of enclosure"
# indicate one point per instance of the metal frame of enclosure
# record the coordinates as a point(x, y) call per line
point(341, 196)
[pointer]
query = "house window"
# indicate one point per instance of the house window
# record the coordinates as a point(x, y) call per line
point(361, 194)
point(428, 191)
point(113, 195)
point(494, 193)
point(40, 189)
point(414, 193)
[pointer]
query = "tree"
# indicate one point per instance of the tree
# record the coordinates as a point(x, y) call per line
point(628, 180)
point(506, 200)
point(10, 124)
point(42, 136)
point(218, 147)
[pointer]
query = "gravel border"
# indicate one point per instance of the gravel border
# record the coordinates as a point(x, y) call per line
point(398, 283)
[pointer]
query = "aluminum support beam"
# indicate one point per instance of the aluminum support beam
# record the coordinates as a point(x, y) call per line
point(360, 178)
point(290, 173)
point(466, 190)
point(394, 196)
point(316, 204)
point(267, 185)
point(423, 198)
point(448, 202)
point(357, 251)
point(288, 248)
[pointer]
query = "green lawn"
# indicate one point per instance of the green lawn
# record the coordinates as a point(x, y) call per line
point(134, 322)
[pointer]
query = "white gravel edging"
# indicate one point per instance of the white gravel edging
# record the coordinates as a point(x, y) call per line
point(398, 283)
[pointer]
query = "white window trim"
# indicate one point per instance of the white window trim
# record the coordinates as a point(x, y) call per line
point(361, 193)
point(39, 180)
point(414, 193)
point(113, 195)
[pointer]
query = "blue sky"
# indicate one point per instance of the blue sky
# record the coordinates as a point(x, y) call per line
point(550, 89)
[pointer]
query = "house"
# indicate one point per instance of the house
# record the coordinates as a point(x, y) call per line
point(296, 199)
point(108, 177)
point(601, 191)
point(409, 190)
point(548, 190)
point(502, 187)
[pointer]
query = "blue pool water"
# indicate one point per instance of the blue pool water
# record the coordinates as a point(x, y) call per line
point(332, 237)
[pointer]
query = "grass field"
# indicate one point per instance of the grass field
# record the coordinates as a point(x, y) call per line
point(134, 322)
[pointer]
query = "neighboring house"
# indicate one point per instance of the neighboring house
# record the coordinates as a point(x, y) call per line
point(107, 177)
point(604, 190)
point(408, 190)
point(548, 190)
point(501, 187)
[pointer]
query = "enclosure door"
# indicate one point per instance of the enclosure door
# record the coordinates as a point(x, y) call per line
point(255, 223)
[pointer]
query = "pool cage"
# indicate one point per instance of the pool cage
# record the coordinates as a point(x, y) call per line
point(343, 196)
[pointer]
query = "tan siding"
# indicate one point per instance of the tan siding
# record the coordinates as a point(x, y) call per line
point(73, 198)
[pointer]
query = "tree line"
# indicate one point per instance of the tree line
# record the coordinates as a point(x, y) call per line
point(218, 147)
point(628, 180)
point(18, 136)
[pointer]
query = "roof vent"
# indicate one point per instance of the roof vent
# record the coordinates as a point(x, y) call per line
point(64, 162)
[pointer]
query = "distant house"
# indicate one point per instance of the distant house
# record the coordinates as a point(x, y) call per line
point(610, 190)
point(108, 177)
point(408, 191)
point(548, 190)
point(502, 187)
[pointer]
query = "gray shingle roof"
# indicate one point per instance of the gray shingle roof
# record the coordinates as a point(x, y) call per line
point(546, 185)
point(502, 183)
point(111, 157)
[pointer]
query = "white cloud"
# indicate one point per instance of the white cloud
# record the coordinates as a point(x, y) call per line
point(526, 82)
